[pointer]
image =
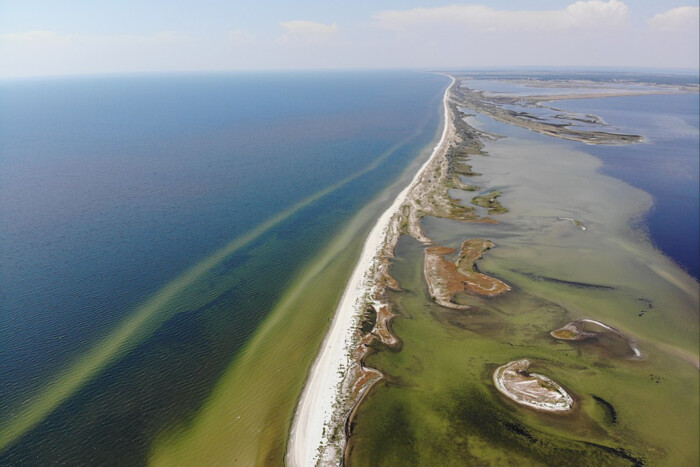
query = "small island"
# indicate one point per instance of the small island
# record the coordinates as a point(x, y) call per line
point(576, 222)
point(490, 201)
point(531, 389)
point(446, 278)
point(583, 329)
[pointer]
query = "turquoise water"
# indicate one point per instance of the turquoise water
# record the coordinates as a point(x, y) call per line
point(112, 188)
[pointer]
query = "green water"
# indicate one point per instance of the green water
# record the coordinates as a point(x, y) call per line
point(438, 405)
point(252, 428)
point(149, 254)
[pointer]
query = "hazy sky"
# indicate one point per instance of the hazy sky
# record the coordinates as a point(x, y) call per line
point(54, 37)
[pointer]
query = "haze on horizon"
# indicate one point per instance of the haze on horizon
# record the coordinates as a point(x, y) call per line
point(44, 37)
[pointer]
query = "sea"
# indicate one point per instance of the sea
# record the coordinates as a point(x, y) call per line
point(148, 225)
point(125, 199)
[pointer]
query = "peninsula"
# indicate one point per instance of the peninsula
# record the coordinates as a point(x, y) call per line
point(340, 379)
point(316, 435)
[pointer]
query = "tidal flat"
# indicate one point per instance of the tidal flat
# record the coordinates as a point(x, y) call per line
point(437, 404)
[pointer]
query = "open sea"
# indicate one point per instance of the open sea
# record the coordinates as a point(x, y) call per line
point(148, 224)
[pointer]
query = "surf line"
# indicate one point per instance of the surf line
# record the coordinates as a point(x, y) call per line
point(149, 316)
point(316, 406)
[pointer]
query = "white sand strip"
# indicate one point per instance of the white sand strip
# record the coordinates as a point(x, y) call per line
point(316, 406)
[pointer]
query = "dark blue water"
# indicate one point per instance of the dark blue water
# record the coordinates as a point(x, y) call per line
point(111, 187)
point(667, 165)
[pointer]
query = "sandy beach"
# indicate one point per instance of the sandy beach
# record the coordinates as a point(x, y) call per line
point(317, 406)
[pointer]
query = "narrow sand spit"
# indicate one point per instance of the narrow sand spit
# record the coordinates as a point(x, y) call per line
point(317, 406)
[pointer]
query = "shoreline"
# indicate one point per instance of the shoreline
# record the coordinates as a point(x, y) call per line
point(339, 381)
point(317, 406)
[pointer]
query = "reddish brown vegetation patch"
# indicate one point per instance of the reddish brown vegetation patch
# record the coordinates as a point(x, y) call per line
point(564, 334)
point(446, 278)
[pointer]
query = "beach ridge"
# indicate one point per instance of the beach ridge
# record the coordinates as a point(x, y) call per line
point(311, 432)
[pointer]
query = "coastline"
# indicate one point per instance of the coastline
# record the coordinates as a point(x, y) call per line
point(317, 406)
point(437, 393)
point(334, 436)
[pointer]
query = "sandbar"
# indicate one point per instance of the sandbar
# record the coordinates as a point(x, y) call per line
point(312, 428)
point(532, 390)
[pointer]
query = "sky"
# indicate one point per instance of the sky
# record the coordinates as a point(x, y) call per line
point(58, 37)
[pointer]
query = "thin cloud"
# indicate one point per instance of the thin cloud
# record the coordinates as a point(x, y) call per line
point(36, 37)
point(307, 32)
point(685, 18)
point(582, 14)
point(36, 53)
point(52, 37)
point(239, 37)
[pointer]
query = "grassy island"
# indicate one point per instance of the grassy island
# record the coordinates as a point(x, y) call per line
point(445, 278)
point(490, 201)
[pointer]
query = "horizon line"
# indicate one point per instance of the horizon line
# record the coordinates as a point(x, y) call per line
point(676, 71)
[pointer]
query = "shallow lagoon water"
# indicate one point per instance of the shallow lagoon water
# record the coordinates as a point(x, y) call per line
point(438, 401)
point(666, 165)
